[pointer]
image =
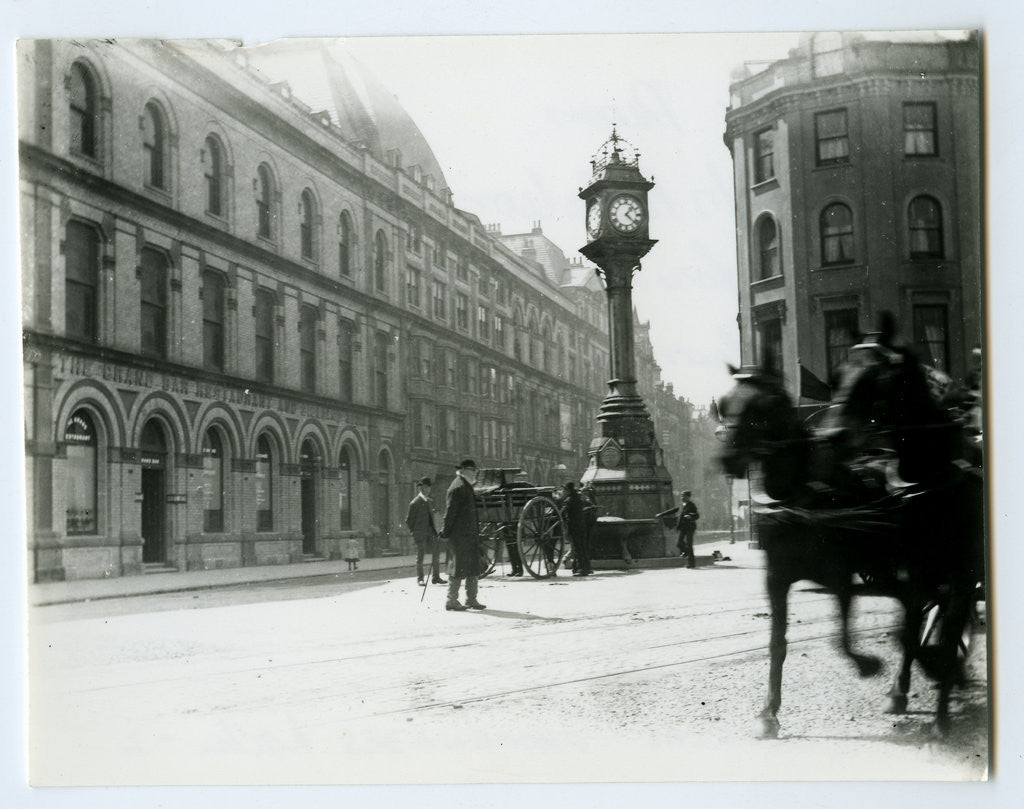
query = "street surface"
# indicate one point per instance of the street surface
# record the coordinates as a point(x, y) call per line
point(652, 675)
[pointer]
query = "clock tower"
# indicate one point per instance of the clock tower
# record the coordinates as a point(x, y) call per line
point(625, 464)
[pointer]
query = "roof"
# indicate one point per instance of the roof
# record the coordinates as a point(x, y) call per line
point(323, 75)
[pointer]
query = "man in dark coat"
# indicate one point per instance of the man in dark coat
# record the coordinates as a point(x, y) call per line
point(420, 520)
point(576, 524)
point(686, 525)
point(462, 531)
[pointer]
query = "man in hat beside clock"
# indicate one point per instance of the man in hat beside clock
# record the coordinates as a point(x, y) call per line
point(462, 531)
point(420, 520)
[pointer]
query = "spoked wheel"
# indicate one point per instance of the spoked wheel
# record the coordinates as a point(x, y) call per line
point(541, 537)
point(491, 547)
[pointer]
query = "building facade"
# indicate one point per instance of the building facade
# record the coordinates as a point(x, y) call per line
point(253, 315)
point(686, 434)
point(857, 178)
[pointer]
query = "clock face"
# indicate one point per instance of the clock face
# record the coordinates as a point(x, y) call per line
point(626, 213)
point(594, 219)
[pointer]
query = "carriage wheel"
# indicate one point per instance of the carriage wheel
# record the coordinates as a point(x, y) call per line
point(541, 537)
point(491, 547)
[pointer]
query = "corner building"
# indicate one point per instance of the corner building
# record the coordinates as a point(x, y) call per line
point(857, 180)
point(253, 315)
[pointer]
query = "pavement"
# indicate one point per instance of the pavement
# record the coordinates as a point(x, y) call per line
point(64, 592)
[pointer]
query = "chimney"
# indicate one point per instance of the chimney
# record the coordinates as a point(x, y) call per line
point(536, 227)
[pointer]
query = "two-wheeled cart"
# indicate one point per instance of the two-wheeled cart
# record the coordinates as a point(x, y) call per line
point(517, 517)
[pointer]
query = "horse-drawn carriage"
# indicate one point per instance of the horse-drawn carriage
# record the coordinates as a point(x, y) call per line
point(518, 521)
point(886, 484)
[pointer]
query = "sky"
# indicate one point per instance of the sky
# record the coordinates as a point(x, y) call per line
point(515, 120)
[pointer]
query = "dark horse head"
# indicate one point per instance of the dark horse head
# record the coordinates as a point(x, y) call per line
point(759, 424)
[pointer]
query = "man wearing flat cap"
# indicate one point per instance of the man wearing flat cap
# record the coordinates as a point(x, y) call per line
point(420, 520)
point(462, 531)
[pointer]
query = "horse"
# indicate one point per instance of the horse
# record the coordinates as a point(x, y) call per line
point(832, 513)
point(887, 399)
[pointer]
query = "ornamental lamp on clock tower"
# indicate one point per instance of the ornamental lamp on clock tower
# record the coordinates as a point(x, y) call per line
point(625, 464)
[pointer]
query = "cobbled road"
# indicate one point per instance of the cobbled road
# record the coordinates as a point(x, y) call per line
point(653, 675)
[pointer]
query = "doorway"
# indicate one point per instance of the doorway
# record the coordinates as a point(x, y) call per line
point(309, 471)
point(308, 496)
point(153, 452)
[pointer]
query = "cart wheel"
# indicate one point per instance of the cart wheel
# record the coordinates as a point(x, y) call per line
point(541, 537)
point(491, 547)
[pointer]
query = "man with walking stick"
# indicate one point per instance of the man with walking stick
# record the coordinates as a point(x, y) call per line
point(462, 530)
point(420, 520)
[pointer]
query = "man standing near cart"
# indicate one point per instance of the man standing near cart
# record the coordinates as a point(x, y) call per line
point(686, 525)
point(575, 518)
point(420, 520)
point(462, 530)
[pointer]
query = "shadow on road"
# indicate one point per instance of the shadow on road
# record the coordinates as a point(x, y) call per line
point(524, 616)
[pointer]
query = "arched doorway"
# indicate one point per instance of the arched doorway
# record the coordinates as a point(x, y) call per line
point(153, 458)
point(309, 476)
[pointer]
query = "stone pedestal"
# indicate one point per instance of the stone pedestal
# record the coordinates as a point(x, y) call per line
point(626, 468)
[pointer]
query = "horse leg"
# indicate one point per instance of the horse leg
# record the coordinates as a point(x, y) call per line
point(952, 670)
point(778, 598)
point(910, 640)
point(867, 665)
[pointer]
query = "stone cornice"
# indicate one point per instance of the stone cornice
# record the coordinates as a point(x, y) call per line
point(115, 356)
point(761, 113)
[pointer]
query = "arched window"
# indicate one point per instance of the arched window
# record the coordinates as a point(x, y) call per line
point(264, 201)
point(213, 320)
point(924, 219)
point(345, 488)
point(380, 259)
point(153, 303)
point(81, 280)
point(345, 244)
point(154, 148)
point(308, 323)
point(768, 248)
point(82, 471)
point(263, 314)
point(836, 235)
point(214, 177)
point(264, 484)
point(307, 224)
point(213, 482)
point(83, 111)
